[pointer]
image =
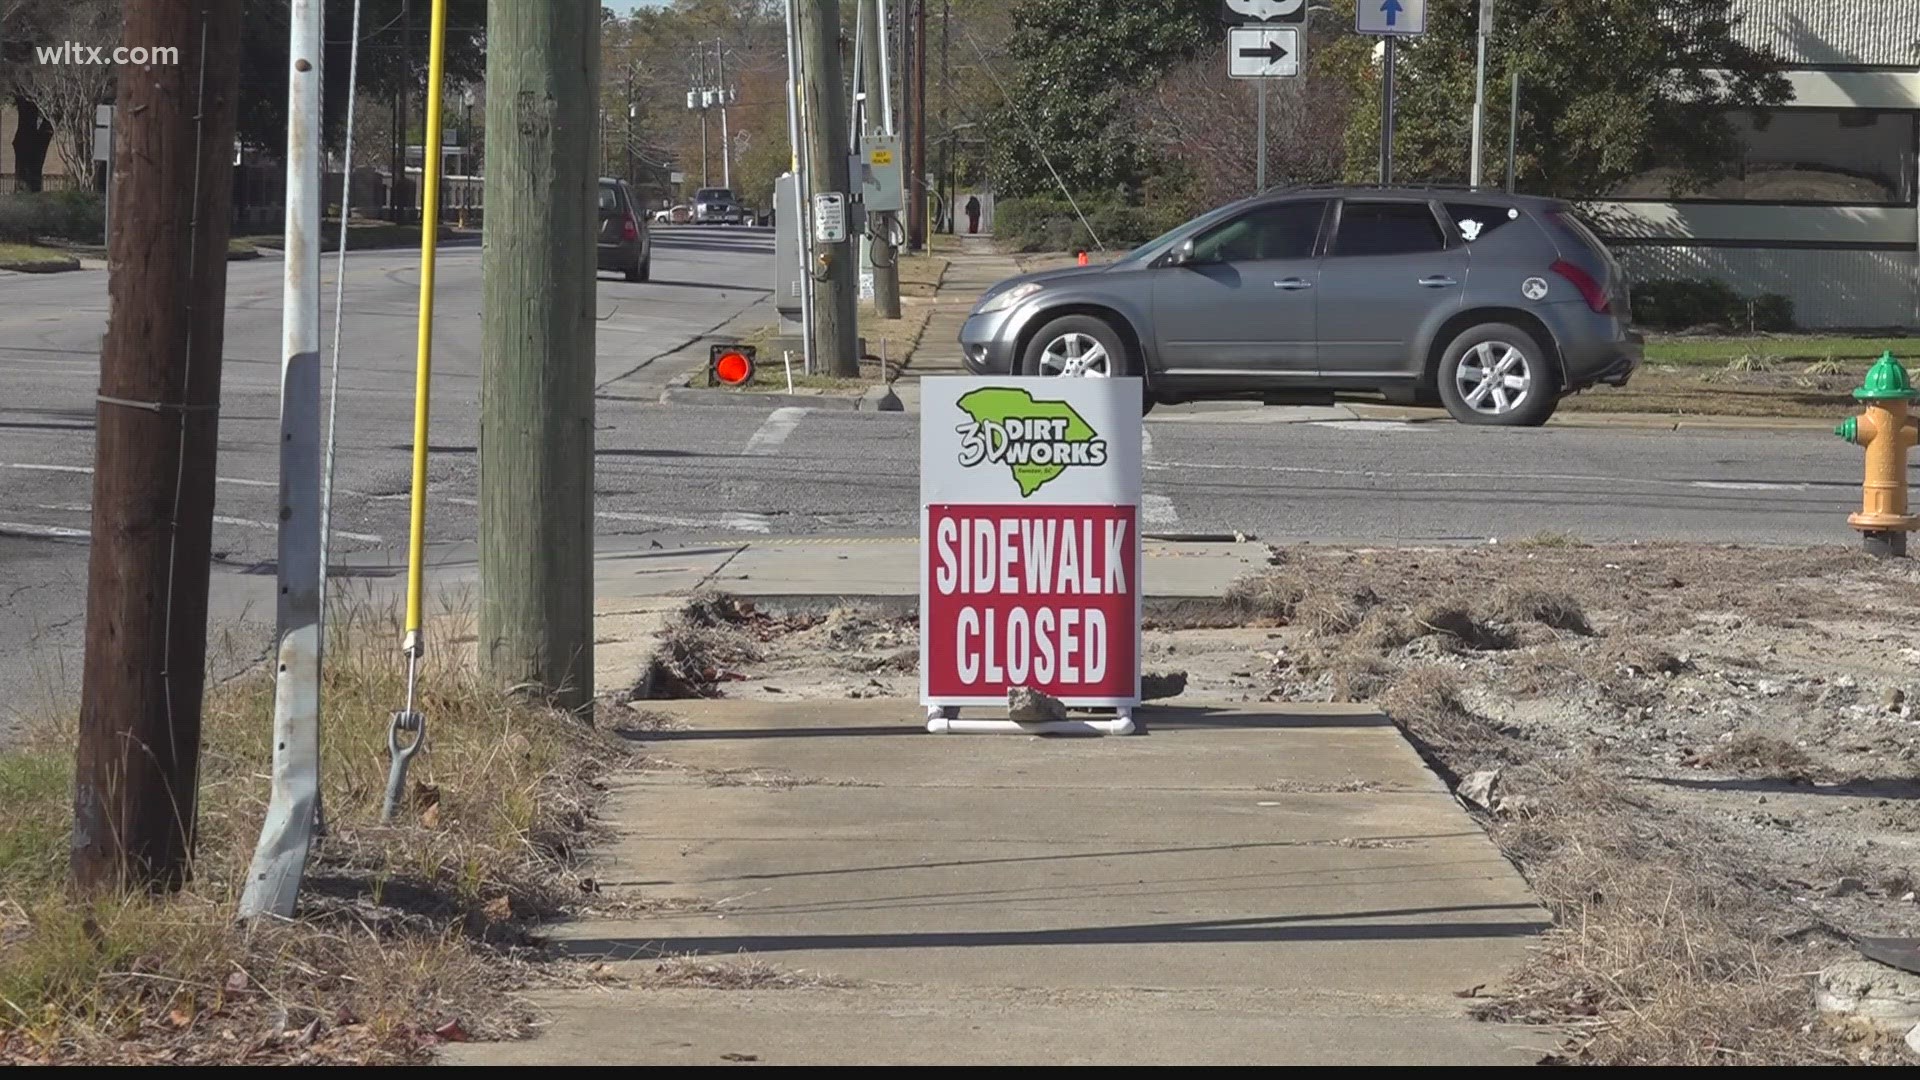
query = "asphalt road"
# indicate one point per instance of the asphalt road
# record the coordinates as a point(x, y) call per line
point(50, 331)
point(683, 473)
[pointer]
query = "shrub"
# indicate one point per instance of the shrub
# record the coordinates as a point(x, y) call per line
point(1049, 224)
point(1678, 303)
point(1683, 303)
point(65, 215)
point(1770, 311)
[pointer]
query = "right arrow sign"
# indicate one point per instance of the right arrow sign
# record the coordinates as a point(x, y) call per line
point(1263, 52)
point(1384, 17)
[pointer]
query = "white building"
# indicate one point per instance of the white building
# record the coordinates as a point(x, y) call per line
point(1823, 208)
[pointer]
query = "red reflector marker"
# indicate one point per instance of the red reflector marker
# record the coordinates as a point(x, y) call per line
point(733, 368)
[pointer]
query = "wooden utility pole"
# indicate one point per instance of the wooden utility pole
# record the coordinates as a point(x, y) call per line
point(537, 351)
point(834, 264)
point(917, 186)
point(156, 430)
point(886, 264)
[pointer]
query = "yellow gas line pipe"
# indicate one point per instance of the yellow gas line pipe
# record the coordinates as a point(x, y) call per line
point(409, 719)
point(423, 363)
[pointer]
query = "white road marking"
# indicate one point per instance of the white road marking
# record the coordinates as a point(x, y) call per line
point(1387, 426)
point(1755, 485)
point(1158, 510)
point(87, 470)
point(15, 528)
point(774, 431)
point(742, 522)
point(248, 523)
point(753, 523)
point(1507, 477)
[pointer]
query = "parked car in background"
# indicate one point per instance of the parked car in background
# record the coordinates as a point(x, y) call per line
point(626, 243)
point(717, 206)
point(1491, 304)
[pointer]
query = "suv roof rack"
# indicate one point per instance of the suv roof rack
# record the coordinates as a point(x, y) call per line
point(1368, 186)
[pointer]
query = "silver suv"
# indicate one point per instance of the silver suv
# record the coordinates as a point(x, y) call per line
point(1494, 305)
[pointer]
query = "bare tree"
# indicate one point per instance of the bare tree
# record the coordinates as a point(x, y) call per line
point(1207, 122)
point(67, 91)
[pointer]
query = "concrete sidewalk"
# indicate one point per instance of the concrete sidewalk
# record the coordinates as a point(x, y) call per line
point(1240, 885)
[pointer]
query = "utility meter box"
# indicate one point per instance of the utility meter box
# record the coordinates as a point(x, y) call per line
point(787, 293)
point(876, 170)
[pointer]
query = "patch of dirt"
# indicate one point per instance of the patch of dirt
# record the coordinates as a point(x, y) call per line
point(1708, 755)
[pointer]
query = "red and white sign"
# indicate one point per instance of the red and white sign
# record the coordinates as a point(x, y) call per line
point(1030, 540)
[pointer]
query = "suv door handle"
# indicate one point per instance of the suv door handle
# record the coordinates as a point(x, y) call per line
point(1293, 284)
point(1440, 281)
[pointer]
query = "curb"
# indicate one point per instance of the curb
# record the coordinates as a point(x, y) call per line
point(48, 266)
point(1189, 612)
point(1636, 420)
point(681, 391)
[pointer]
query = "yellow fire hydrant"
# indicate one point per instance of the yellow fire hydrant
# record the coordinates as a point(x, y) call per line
point(1887, 432)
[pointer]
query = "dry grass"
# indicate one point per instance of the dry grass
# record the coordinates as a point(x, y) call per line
point(1675, 939)
point(407, 935)
point(1753, 754)
point(1656, 956)
point(1751, 362)
point(1428, 703)
point(732, 973)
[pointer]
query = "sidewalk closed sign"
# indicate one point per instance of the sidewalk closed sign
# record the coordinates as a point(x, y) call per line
point(1030, 540)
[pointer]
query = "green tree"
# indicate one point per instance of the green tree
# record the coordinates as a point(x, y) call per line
point(1076, 66)
point(1610, 89)
point(393, 53)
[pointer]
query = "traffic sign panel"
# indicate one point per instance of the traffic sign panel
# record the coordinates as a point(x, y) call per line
point(1391, 17)
point(1286, 11)
point(1263, 52)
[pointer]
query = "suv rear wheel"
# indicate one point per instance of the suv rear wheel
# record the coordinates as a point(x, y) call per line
point(1083, 347)
point(1497, 374)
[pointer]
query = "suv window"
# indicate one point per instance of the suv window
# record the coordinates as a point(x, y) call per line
point(1387, 228)
point(1281, 231)
point(713, 194)
point(1475, 220)
point(609, 197)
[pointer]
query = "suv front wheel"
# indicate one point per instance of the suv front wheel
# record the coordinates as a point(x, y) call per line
point(1084, 347)
point(1497, 374)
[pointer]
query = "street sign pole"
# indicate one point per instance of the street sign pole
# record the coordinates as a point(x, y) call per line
point(1260, 141)
point(1386, 115)
point(1480, 91)
point(1513, 129)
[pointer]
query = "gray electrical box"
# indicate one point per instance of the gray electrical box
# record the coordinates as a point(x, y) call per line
point(787, 293)
point(876, 173)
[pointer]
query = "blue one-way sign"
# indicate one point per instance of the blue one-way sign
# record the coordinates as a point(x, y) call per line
point(1391, 17)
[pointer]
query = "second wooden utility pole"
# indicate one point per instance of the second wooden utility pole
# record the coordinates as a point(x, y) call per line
point(156, 429)
point(537, 350)
point(834, 262)
point(878, 118)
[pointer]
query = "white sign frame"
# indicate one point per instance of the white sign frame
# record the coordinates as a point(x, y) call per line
point(1370, 17)
point(1260, 37)
point(954, 474)
point(830, 217)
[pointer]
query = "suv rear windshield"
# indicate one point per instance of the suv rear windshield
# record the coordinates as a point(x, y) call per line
point(713, 194)
point(609, 197)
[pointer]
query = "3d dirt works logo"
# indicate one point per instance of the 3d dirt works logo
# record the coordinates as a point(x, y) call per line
point(1037, 440)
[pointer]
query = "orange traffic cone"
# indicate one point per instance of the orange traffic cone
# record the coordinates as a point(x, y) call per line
point(1083, 258)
